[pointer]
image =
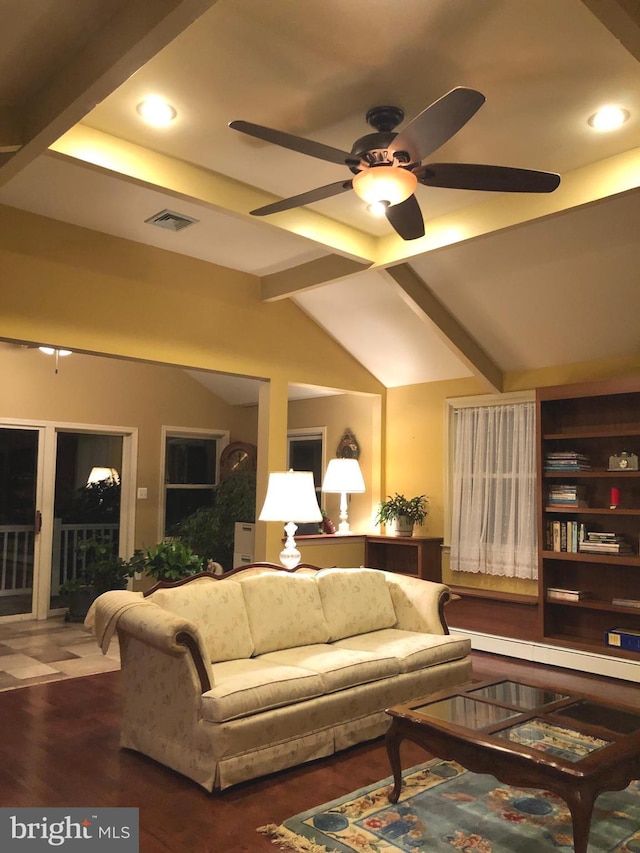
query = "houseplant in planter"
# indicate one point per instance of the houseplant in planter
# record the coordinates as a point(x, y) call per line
point(405, 512)
point(210, 529)
point(168, 560)
point(103, 569)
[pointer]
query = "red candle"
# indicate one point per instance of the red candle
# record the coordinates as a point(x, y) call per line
point(615, 496)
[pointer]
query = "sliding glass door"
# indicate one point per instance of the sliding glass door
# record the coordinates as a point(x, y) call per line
point(86, 503)
point(19, 521)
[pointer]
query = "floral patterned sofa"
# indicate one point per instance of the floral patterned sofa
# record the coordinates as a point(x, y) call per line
point(226, 679)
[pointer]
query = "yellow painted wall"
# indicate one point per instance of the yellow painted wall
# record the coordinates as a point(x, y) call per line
point(70, 287)
point(90, 390)
point(84, 290)
point(362, 415)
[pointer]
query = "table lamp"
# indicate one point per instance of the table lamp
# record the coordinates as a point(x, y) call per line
point(291, 498)
point(343, 477)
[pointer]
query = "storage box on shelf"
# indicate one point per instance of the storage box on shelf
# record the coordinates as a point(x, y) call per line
point(589, 515)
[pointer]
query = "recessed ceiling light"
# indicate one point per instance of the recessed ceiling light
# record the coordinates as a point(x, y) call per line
point(156, 111)
point(608, 118)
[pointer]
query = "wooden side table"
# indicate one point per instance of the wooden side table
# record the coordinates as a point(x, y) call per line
point(420, 556)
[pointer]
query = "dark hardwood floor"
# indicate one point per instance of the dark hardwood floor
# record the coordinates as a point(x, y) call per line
point(59, 747)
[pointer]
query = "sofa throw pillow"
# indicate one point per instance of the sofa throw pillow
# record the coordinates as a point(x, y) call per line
point(217, 608)
point(355, 601)
point(284, 611)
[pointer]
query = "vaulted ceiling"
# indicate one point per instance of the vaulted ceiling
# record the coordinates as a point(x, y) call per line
point(500, 282)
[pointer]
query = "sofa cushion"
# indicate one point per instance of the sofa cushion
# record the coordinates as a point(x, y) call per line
point(284, 611)
point(338, 668)
point(355, 601)
point(218, 610)
point(246, 687)
point(413, 650)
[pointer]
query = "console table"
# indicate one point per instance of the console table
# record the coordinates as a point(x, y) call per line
point(420, 556)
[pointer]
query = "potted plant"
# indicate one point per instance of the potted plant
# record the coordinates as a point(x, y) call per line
point(169, 560)
point(210, 529)
point(102, 569)
point(405, 512)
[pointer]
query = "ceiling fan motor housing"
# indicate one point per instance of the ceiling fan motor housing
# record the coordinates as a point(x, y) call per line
point(372, 149)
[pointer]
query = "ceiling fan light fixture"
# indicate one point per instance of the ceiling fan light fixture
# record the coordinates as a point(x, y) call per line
point(384, 183)
point(53, 350)
point(378, 208)
point(608, 118)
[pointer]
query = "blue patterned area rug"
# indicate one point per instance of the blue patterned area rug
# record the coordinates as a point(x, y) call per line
point(444, 808)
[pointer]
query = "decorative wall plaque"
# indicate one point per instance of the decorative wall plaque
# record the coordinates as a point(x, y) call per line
point(348, 447)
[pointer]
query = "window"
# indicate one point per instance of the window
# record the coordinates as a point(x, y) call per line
point(492, 488)
point(305, 452)
point(190, 474)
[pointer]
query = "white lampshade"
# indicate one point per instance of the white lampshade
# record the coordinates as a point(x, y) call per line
point(291, 497)
point(103, 475)
point(343, 477)
point(391, 184)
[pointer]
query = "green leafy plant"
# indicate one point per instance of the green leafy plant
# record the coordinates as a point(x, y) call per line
point(398, 506)
point(170, 560)
point(103, 569)
point(210, 530)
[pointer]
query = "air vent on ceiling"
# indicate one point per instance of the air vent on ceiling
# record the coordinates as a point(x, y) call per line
point(171, 220)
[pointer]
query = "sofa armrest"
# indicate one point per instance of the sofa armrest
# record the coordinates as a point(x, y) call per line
point(172, 635)
point(419, 604)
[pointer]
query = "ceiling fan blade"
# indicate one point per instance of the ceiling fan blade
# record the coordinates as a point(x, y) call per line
point(472, 176)
point(438, 123)
point(406, 218)
point(294, 143)
point(318, 194)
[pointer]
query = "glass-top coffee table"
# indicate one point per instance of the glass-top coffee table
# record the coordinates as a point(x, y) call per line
point(528, 736)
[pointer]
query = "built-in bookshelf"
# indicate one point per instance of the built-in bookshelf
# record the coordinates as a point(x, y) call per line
point(588, 514)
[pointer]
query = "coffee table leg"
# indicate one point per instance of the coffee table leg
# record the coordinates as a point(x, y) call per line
point(581, 808)
point(393, 740)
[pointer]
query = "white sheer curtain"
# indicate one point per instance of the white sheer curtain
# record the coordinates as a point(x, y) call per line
point(494, 501)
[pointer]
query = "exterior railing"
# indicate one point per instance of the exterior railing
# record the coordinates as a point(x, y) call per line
point(16, 558)
point(16, 553)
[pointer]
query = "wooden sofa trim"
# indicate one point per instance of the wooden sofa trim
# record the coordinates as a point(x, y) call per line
point(187, 640)
point(206, 574)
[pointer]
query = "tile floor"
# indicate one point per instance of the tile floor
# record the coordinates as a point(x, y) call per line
point(50, 650)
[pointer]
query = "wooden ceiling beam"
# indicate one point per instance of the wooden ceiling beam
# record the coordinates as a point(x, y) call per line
point(622, 19)
point(130, 38)
point(417, 295)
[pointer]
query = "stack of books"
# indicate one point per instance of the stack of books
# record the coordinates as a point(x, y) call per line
point(560, 594)
point(564, 535)
point(566, 496)
point(604, 543)
point(567, 460)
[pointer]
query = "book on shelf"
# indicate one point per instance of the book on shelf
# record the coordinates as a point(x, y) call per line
point(604, 543)
point(566, 496)
point(568, 460)
point(561, 594)
point(564, 535)
point(623, 638)
point(626, 602)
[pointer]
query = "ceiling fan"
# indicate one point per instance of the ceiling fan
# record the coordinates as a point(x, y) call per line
point(387, 166)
